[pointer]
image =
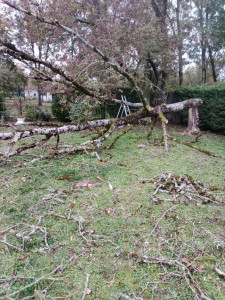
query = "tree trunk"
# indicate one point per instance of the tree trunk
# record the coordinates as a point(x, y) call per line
point(39, 95)
point(203, 60)
point(130, 119)
point(180, 44)
point(212, 63)
point(193, 120)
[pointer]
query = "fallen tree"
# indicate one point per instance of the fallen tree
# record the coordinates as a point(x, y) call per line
point(105, 62)
point(92, 145)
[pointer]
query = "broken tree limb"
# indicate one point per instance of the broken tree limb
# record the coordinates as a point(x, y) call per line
point(152, 126)
point(94, 144)
point(118, 136)
point(24, 148)
point(192, 146)
point(37, 124)
point(130, 119)
point(165, 135)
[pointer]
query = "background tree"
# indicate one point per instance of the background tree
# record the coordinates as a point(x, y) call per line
point(210, 27)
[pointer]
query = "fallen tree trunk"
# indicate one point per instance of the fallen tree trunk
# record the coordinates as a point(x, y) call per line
point(95, 144)
point(130, 119)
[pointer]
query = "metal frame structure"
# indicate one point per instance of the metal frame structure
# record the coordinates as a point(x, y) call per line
point(124, 108)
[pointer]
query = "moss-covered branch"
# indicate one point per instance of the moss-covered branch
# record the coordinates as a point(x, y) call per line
point(192, 146)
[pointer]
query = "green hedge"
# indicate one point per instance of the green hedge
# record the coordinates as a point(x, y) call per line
point(212, 112)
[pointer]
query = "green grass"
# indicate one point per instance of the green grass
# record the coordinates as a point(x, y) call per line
point(124, 216)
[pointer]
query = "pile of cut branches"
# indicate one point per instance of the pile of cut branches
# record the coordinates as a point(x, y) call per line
point(181, 186)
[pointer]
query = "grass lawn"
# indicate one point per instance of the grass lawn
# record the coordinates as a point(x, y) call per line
point(63, 242)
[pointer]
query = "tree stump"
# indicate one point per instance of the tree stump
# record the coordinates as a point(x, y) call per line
point(193, 121)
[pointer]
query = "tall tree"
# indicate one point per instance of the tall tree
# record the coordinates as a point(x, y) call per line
point(209, 15)
point(32, 36)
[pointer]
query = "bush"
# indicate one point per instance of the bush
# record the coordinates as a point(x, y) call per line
point(34, 113)
point(2, 107)
point(61, 108)
point(84, 111)
point(212, 112)
point(44, 116)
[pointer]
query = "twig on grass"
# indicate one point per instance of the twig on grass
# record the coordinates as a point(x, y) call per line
point(182, 185)
point(219, 272)
point(157, 223)
point(185, 272)
point(85, 288)
point(123, 296)
point(12, 246)
point(59, 268)
point(25, 235)
point(33, 283)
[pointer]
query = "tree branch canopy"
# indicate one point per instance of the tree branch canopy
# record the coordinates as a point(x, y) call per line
point(115, 66)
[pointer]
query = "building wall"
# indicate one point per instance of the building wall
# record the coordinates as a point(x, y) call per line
point(33, 94)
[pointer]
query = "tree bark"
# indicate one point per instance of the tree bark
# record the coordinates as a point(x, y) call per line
point(180, 44)
point(203, 60)
point(193, 120)
point(39, 95)
point(212, 63)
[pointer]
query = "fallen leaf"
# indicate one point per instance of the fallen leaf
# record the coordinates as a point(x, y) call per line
point(23, 257)
point(88, 291)
point(107, 212)
point(64, 177)
point(83, 185)
point(141, 146)
point(134, 255)
point(66, 192)
point(110, 187)
point(185, 260)
point(23, 178)
point(219, 286)
point(201, 269)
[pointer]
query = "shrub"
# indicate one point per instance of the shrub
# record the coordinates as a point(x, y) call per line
point(31, 112)
point(212, 112)
point(61, 108)
point(84, 111)
point(2, 107)
point(44, 116)
point(34, 113)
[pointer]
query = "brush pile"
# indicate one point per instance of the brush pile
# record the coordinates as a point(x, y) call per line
point(182, 187)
